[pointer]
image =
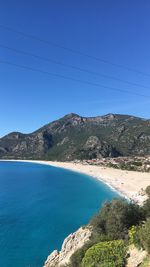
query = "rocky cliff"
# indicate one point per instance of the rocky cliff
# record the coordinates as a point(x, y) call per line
point(72, 243)
point(75, 137)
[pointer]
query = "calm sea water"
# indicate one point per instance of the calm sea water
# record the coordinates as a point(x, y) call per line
point(39, 206)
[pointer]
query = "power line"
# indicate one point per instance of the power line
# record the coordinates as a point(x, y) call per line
point(73, 50)
point(71, 79)
point(71, 66)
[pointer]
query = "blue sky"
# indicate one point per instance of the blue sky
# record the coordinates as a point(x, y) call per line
point(116, 31)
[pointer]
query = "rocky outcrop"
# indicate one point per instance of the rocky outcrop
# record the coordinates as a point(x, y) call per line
point(94, 148)
point(136, 257)
point(72, 243)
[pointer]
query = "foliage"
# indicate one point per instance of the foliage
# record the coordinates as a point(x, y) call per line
point(112, 165)
point(130, 166)
point(118, 219)
point(134, 238)
point(77, 257)
point(115, 218)
point(148, 190)
point(146, 208)
point(137, 163)
point(105, 254)
point(144, 233)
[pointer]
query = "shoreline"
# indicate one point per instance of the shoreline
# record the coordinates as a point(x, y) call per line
point(129, 184)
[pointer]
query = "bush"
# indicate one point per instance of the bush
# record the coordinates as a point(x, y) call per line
point(77, 257)
point(137, 163)
point(144, 234)
point(148, 190)
point(115, 218)
point(146, 208)
point(111, 165)
point(105, 254)
point(134, 237)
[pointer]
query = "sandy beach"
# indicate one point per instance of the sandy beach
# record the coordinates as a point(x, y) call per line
point(128, 183)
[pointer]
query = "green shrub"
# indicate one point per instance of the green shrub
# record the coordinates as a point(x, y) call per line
point(115, 218)
point(144, 234)
point(148, 190)
point(146, 208)
point(137, 163)
point(111, 165)
point(105, 254)
point(77, 257)
point(128, 166)
point(134, 237)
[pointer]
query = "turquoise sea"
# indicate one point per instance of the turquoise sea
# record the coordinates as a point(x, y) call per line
point(39, 206)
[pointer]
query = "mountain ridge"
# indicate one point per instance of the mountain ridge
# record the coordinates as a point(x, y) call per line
point(76, 137)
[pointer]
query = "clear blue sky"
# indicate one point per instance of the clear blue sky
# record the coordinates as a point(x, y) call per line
point(117, 31)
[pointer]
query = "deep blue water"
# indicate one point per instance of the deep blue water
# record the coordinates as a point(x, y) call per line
point(39, 206)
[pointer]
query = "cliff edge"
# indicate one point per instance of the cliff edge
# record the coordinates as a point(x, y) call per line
point(72, 243)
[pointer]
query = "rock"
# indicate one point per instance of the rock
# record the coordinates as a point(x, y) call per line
point(136, 257)
point(92, 142)
point(52, 259)
point(73, 242)
point(63, 141)
point(95, 148)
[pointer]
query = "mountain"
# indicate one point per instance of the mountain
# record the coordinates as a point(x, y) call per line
point(76, 137)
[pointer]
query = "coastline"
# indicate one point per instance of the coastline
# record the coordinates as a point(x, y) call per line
point(129, 184)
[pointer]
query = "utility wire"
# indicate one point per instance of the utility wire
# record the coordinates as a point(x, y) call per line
point(72, 66)
point(73, 50)
point(71, 78)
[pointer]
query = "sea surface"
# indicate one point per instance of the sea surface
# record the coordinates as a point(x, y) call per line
point(39, 206)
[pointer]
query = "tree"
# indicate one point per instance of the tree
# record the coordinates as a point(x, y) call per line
point(116, 217)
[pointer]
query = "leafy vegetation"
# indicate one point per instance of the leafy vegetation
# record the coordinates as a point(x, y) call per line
point(144, 234)
point(115, 218)
point(148, 191)
point(134, 237)
point(77, 257)
point(107, 254)
point(129, 166)
point(118, 224)
point(146, 207)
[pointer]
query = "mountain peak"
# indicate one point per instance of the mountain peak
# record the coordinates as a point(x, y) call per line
point(110, 116)
point(71, 115)
point(76, 137)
